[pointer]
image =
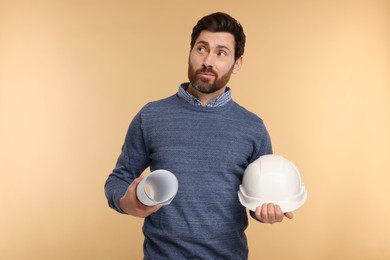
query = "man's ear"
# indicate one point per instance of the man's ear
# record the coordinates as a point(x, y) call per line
point(237, 65)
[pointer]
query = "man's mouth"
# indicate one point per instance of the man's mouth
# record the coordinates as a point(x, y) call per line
point(207, 74)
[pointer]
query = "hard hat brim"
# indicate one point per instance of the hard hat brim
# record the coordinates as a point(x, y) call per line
point(287, 205)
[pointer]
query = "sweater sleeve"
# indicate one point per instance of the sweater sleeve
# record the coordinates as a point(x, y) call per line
point(132, 161)
point(264, 147)
point(263, 144)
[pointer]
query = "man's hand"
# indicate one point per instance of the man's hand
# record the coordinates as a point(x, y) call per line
point(271, 213)
point(130, 204)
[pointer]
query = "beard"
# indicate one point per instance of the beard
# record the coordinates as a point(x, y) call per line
point(204, 85)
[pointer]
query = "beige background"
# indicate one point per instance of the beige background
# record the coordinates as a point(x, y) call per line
point(74, 73)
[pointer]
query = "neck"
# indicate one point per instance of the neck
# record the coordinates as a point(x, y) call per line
point(205, 98)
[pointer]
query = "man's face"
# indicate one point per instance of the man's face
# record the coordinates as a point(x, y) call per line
point(211, 61)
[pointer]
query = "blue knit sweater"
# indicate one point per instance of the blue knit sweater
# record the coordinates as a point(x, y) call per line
point(208, 150)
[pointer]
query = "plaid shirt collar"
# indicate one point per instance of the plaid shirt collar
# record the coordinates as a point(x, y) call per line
point(216, 102)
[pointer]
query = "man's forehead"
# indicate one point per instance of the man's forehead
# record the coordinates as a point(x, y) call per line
point(216, 38)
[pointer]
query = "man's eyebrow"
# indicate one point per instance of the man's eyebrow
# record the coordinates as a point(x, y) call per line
point(202, 42)
point(219, 46)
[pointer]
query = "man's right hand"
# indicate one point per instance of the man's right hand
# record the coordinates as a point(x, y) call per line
point(130, 204)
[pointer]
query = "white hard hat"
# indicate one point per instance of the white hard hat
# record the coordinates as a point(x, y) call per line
point(272, 179)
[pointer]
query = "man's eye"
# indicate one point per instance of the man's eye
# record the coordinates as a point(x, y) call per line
point(201, 49)
point(222, 54)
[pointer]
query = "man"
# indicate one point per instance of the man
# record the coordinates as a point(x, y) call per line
point(207, 140)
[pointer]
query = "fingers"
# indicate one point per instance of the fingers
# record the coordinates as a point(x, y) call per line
point(152, 209)
point(278, 214)
point(130, 204)
point(144, 211)
point(271, 213)
point(132, 190)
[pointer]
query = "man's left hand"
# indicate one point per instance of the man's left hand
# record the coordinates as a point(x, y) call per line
point(271, 213)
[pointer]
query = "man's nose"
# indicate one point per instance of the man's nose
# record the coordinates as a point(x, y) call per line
point(208, 60)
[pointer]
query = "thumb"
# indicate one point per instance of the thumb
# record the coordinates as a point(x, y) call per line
point(136, 181)
point(289, 215)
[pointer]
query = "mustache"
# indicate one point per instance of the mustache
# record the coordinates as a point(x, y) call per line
point(207, 70)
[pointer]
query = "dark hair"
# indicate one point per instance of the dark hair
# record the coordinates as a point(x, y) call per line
point(221, 22)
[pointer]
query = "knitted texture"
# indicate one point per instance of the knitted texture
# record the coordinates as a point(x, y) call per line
point(208, 150)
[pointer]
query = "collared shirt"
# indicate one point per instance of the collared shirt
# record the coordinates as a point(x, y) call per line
point(216, 102)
